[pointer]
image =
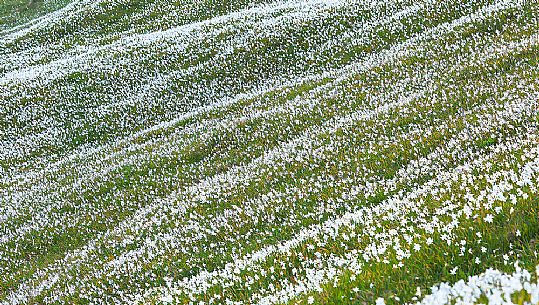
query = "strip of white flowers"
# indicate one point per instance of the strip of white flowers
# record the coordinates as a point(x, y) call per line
point(496, 286)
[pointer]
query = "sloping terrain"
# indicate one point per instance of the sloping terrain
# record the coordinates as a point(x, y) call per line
point(266, 152)
point(15, 13)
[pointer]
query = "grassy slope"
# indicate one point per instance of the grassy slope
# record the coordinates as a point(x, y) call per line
point(194, 194)
point(17, 12)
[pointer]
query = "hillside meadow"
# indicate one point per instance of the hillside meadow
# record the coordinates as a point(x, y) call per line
point(269, 152)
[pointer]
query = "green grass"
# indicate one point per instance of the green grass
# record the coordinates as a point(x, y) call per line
point(17, 12)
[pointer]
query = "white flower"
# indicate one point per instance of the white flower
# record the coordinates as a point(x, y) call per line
point(166, 299)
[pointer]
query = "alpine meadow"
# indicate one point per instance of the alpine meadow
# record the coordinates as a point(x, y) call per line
point(271, 152)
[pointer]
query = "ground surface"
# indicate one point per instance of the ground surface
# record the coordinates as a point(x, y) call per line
point(268, 152)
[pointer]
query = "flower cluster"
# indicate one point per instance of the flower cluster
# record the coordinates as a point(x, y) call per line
point(496, 286)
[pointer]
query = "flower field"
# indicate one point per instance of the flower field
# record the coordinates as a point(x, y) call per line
point(269, 152)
